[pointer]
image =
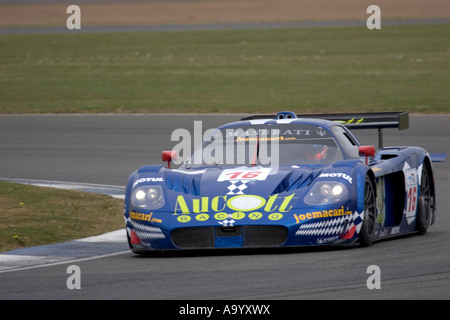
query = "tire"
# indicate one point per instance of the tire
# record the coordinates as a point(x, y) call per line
point(367, 233)
point(424, 211)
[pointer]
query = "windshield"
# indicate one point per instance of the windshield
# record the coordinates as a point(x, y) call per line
point(267, 145)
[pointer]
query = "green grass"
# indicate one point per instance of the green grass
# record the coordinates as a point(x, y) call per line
point(304, 69)
point(31, 216)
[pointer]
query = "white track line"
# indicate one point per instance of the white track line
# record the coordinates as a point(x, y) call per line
point(95, 247)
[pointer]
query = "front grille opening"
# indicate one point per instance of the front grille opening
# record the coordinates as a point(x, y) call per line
point(193, 237)
point(264, 236)
point(209, 237)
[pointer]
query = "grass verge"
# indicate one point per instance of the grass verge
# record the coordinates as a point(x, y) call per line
point(31, 216)
point(304, 69)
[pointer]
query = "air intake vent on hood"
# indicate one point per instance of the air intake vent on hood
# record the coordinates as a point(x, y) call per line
point(296, 179)
point(181, 182)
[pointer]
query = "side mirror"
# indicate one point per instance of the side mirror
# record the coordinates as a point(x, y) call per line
point(169, 156)
point(367, 151)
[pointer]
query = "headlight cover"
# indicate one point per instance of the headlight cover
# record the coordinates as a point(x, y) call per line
point(326, 192)
point(148, 197)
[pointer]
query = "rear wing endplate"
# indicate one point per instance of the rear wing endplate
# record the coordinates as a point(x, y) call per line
point(438, 157)
point(371, 120)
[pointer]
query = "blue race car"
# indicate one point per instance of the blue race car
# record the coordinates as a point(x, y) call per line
point(283, 180)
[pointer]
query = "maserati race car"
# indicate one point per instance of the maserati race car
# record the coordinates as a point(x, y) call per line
point(283, 180)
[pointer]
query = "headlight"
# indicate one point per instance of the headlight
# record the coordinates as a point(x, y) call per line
point(326, 192)
point(148, 197)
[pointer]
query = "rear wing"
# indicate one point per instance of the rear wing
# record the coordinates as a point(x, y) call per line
point(438, 157)
point(371, 120)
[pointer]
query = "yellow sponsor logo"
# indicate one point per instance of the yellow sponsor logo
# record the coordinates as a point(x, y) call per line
point(238, 215)
point(184, 219)
point(235, 215)
point(240, 203)
point(202, 217)
point(239, 139)
point(255, 215)
point(321, 214)
point(144, 217)
point(275, 216)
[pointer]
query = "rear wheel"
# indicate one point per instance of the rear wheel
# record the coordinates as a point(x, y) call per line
point(424, 214)
point(367, 232)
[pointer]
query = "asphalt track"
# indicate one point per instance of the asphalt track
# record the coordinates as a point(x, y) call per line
point(104, 149)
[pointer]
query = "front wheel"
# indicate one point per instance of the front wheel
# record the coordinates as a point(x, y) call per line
point(424, 212)
point(367, 233)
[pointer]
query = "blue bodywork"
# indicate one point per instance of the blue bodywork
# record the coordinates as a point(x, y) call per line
point(254, 206)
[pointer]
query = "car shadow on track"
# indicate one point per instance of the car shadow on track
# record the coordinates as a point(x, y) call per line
point(237, 251)
point(176, 253)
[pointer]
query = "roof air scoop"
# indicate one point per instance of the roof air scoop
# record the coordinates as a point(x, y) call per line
point(285, 115)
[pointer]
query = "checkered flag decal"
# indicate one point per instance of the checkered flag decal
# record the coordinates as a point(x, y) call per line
point(237, 186)
point(145, 232)
point(332, 227)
